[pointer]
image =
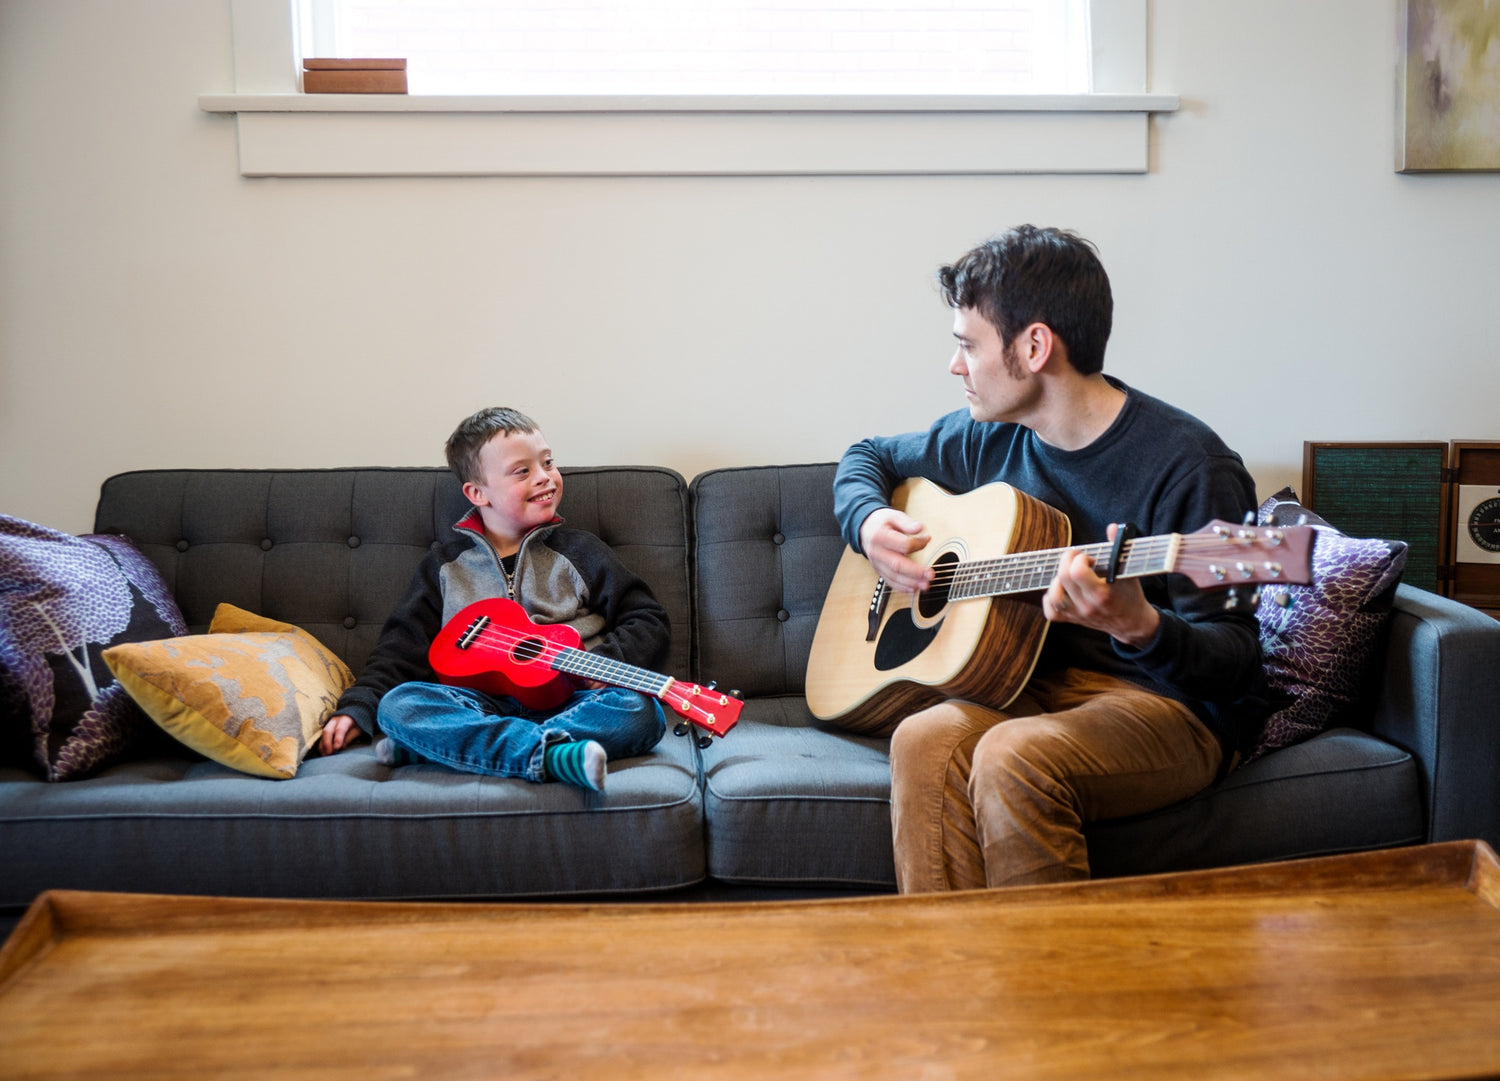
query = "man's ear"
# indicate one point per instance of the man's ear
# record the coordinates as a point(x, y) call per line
point(1038, 346)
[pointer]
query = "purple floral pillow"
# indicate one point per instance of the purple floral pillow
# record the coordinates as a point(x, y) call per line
point(63, 600)
point(1319, 639)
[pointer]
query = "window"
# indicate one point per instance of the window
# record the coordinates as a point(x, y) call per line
point(778, 132)
point(715, 46)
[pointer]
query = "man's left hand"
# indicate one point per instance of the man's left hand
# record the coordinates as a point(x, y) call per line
point(1119, 609)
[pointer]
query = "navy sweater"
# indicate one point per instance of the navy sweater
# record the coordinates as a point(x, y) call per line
point(1156, 467)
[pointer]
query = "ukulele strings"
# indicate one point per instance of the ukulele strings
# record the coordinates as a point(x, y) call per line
point(607, 669)
point(581, 661)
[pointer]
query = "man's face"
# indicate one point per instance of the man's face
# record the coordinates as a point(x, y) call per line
point(996, 383)
point(520, 483)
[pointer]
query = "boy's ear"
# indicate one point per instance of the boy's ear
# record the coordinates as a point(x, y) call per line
point(475, 494)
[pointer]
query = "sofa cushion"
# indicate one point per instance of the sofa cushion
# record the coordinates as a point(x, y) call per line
point(332, 550)
point(1320, 639)
point(348, 827)
point(1339, 791)
point(765, 545)
point(251, 694)
point(788, 803)
point(792, 804)
point(63, 600)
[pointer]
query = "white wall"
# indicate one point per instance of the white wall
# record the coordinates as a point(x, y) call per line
point(1272, 273)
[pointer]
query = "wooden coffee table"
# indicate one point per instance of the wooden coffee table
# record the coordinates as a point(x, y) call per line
point(1381, 965)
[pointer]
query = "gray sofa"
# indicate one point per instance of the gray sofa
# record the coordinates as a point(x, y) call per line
point(741, 559)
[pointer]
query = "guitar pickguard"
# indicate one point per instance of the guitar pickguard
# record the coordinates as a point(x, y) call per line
point(912, 629)
point(902, 641)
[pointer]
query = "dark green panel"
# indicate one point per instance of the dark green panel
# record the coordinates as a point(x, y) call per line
point(1394, 493)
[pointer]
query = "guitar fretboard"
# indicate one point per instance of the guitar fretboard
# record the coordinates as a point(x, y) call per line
point(1029, 572)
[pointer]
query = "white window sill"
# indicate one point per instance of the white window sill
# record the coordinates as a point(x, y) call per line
point(418, 135)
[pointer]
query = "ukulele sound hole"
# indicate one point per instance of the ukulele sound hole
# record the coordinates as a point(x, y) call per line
point(528, 650)
point(935, 599)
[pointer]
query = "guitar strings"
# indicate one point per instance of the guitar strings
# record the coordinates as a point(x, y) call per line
point(1035, 569)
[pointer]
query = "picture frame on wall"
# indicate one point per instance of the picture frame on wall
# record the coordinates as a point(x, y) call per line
point(1448, 86)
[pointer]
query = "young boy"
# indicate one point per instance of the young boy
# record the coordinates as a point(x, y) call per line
point(511, 544)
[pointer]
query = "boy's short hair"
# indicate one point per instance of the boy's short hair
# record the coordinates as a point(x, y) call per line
point(1033, 275)
point(470, 437)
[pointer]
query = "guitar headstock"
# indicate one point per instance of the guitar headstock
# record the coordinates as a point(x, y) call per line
point(1222, 555)
point(712, 710)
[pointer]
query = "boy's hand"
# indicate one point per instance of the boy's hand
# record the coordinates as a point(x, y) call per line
point(339, 731)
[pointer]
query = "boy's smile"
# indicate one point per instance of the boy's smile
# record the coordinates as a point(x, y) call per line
point(520, 488)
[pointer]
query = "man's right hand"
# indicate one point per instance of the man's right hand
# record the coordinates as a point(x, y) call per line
point(888, 538)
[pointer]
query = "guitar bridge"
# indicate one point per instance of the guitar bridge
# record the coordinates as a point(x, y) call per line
point(877, 609)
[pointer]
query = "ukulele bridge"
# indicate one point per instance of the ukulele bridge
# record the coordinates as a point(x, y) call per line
point(476, 628)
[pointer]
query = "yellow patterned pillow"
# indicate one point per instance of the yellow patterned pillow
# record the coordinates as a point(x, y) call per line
point(251, 694)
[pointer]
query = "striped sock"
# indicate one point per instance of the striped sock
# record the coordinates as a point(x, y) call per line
point(577, 764)
point(390, 753)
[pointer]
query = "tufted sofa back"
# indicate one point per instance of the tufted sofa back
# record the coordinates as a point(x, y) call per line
point(765, 545)
point(332, 550)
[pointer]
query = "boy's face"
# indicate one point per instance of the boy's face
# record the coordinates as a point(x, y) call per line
point(520, 486)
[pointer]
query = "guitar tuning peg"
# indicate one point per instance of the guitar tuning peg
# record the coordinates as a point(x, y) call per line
point(1237, 599)
point(680, 729)
point(712, 684)
point(737, 694)
point(705, 742)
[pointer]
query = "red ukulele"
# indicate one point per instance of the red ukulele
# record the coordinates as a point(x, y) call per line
point(493, 646)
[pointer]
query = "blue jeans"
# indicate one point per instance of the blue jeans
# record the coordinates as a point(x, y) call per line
point(479, 733)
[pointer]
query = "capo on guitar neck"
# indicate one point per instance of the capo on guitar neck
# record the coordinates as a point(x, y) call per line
point(1124, 531)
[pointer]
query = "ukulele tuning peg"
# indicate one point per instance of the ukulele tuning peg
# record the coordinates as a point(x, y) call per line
point(737, 694)
point(712, 684)
point(705, 742)
point(680, 729)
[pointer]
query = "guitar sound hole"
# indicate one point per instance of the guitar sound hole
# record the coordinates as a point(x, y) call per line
point(528, 650)
point(935, 599)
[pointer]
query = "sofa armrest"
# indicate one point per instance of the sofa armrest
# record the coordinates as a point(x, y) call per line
point(1440, 699)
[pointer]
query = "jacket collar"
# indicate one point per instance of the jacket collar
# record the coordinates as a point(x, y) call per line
point(471, 523)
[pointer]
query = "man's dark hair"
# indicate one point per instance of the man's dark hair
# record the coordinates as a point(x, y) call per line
point(470, 437)
point(1033, 275)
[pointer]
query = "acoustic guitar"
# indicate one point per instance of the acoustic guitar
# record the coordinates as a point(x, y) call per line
point(493, 646)
point(879, 655)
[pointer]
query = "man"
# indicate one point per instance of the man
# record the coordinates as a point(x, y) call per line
point(1147, 690)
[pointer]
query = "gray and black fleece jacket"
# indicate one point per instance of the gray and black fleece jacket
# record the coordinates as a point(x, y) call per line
point(561, 576)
